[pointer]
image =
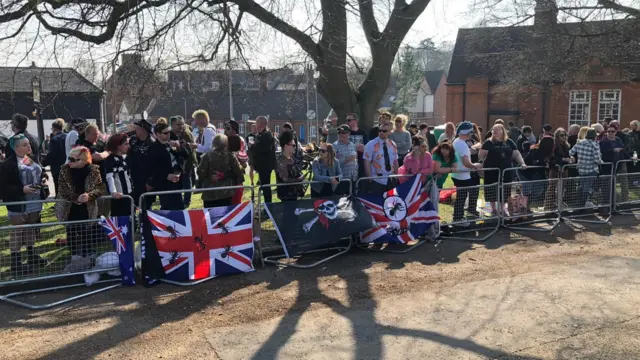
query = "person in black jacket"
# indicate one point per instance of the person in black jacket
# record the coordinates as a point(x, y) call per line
point(118, 175)
point(167, 157)
point(139, 161)
point(21, 179)
point(56, 157)
point(19, 126)
point(263, 155)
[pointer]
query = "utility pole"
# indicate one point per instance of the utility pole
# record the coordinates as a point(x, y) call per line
point(36, 87)
point(230, 77)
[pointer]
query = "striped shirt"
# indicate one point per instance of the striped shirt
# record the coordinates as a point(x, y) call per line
point(117, 175)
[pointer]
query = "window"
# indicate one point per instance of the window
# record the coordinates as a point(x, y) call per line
point(245, 117)
point(215, 86)
point(580, 107)
point(276, 129)
point(312, 131)
point(609, 105)
point(242, 129)
point(220, 125)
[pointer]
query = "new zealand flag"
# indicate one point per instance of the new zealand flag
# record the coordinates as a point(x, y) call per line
point(199, 244)
point(402, 214)
point(119, 231)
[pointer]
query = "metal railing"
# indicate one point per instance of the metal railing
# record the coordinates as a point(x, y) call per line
point(472, 199)
point(269, 232)
point(160, 194)
point(369, 186)
point(532, 196)
point(627, 187)
point(587, 195)
point(39, 252)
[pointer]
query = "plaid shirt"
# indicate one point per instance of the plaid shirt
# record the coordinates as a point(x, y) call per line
point(344, 151)
point(588, 156)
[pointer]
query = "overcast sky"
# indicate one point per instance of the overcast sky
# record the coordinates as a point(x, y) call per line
point(440, 21)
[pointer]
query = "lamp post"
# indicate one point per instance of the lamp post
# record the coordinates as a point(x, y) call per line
point(36, 86)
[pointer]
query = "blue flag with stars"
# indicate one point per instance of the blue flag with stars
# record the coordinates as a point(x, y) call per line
point(119, 231)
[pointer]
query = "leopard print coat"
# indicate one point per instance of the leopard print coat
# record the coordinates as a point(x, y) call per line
point(92, 186)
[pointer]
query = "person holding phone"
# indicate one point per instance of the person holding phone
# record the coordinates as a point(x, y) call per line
point(326, 170)
point(167, 156)
point(21, 180)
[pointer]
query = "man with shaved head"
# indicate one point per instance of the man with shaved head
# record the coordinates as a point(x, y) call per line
point(263, 155)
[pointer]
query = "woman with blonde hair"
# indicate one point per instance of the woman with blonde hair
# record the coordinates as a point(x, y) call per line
point(401, 137)
point(582, 134)
point(499, 152)
point(80, 185)
point(326, 169)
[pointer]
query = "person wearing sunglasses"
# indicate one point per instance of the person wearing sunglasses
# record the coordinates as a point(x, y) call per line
point(326, 170)
point(287, 171)
point(81, 186)
point(612, 150)
point(180, 133)
point(381, 160)
point(167, 158)
point(560, 158)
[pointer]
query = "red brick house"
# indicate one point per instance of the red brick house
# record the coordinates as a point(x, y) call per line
point(549, 72)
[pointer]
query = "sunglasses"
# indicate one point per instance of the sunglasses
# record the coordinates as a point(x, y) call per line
point(291, 144)
point(611, 131)
point(383, 131)
point(562, 135)
point(165, 132)
point(72, 159)
point(322, 151)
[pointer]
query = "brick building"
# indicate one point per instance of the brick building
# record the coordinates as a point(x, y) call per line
point(430, 104)
point(549, 72)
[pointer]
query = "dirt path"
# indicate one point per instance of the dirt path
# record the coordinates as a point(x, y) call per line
point(168, 321)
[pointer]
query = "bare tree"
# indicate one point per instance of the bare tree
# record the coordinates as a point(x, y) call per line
point(152, 25)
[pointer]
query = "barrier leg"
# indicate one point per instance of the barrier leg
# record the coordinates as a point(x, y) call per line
point(275, 259)
point(8, 297)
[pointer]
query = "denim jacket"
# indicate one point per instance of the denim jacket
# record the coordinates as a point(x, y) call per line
point(323, 173)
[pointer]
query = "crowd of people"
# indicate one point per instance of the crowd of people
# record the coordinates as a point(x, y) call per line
point(172, 155)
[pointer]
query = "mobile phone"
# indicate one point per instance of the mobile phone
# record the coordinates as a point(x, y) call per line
point(36, 186)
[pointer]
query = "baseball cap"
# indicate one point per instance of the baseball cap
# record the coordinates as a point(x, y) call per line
point(344, 129)
point(464, 128)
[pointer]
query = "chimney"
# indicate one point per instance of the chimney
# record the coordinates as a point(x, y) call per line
point(263, 78)
point(131, 59)
point(33, 64)
point(546, 14)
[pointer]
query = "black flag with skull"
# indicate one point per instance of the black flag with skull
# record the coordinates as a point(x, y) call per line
point(309, 224)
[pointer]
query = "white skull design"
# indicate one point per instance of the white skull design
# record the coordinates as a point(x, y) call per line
point(329, 209)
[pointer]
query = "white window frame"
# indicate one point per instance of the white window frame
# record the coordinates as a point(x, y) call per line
point(215, 85)
point(577, 99)
point(312, 131)
point(276, 129)
point(602, 101)
point(245, 117)
point(220, 125)
point(242, 128)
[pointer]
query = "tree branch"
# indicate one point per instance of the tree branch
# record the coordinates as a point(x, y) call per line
point(610, 4)
point(369, 23)
point(305, 41)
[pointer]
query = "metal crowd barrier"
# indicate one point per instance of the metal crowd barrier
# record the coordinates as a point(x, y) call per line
point(363, 187)
point(62, 258)
point(159, 194)
point(627, 187)
point(533, 198)
point(270, 235)
point(480, 218)
point(583, 194)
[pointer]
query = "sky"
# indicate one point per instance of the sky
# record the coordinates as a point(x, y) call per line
point(439, 21)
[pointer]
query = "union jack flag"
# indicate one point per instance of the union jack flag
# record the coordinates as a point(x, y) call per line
point(402, 214)
point(118, 229)
point(198, 244)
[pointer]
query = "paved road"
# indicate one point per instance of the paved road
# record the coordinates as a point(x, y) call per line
point(574, 294)
point(586, 311)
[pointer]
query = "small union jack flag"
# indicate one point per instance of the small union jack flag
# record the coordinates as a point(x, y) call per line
point(402, 214)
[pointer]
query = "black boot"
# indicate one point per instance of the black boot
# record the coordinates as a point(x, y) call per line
point(17, 268)
point(34, 260)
